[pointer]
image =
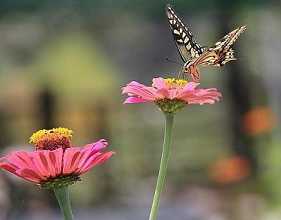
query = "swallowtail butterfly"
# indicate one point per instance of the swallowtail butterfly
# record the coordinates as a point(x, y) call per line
point(193, 54)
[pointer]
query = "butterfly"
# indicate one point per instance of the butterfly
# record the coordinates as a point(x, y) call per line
point(193, 54)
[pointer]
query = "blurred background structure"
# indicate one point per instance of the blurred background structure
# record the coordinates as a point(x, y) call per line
point(62, 63)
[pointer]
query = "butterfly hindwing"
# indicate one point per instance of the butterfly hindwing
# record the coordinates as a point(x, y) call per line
point(187, 46)
point(223, 47)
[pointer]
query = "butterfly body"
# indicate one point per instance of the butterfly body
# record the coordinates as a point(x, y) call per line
point(195, 55)
point(191, 67)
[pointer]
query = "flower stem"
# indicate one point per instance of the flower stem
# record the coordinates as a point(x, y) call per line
point(62, 195)
point(169, 118)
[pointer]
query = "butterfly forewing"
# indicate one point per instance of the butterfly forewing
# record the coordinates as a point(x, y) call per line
point(187, 46)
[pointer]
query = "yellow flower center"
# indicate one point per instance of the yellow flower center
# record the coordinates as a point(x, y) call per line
point(51, 139)
point(175, 83)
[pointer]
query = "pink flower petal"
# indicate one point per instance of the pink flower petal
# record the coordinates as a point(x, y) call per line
point(69, 159)
point(95, 161)
point(41, 163)
point(97, 146)
point(162, 93)
point(73, 161)
point(159, 83)
point(190, 86)
point(20, 159)
point(9, 167)
point(91, 149)
point(29, 175)
point(58, 153)
point(85, 162)
point(51, 160)
point(139, 90)
point(23, 160)
point(133, 100)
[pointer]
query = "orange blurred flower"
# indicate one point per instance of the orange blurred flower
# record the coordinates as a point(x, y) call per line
point(258, 120)
point(230, 170)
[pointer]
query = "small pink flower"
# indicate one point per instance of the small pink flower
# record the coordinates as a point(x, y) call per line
point(170, 94)
point(56, 167)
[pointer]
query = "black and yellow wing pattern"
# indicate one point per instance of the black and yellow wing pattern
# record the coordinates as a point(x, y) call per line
point(184, 39)
point(223, 47)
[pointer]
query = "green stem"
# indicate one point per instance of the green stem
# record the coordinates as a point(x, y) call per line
point(62, 195)
point(169, 118)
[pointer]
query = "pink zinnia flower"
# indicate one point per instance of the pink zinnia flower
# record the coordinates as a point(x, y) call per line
point(170, 94)
point(55, 163)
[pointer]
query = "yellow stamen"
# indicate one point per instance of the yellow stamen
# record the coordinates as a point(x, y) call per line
point(51, 139)
point(172, 82)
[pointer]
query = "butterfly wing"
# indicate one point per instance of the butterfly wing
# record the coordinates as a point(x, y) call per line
point(223, 48)
point(187, 46)
point(217, 55)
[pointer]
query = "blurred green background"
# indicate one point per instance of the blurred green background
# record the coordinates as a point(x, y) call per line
point(63, 63)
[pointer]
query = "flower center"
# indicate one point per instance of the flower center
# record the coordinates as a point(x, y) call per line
point(175, 83)
point(51, 139)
